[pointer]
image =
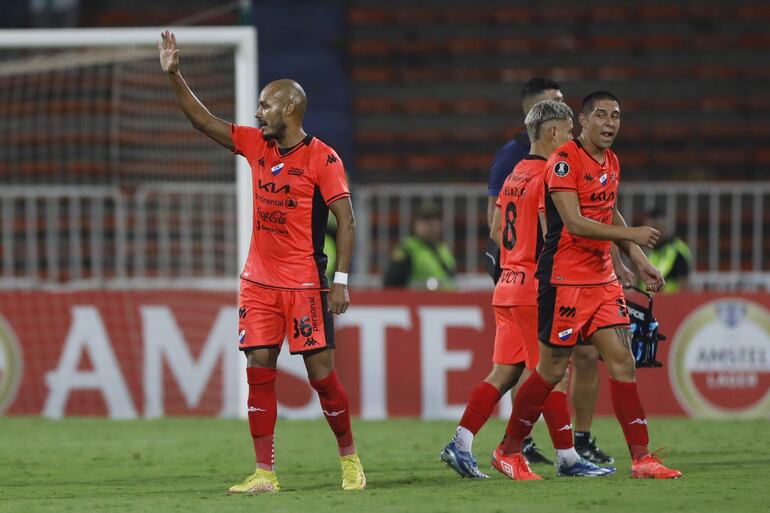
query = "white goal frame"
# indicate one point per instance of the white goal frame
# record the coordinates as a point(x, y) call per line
point(242, 39)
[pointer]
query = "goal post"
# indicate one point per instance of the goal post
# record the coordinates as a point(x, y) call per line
point(241, 39)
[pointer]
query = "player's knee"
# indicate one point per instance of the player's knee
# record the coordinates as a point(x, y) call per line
point(622, 367)
point(585, 358)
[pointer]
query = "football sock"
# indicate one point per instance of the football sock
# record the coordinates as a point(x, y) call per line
point(334, 403)
point(526, 410)
point(630, 414)
point(582, 438)
point(556, 414)
point(567, 457)
point(262, 413)
point(480, 406)
point(463, 439)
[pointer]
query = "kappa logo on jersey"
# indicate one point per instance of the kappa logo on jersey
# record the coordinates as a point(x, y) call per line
point(603, 179)
point(564, 154)
point(564, 335)
point(254, 409)
point(639, 421)
point(276, 168)
point(565, 427)
point(333, 413)
point(310, 342)
point(261, 162)
point(588, 177)
point(561, 169)
point(331, 159)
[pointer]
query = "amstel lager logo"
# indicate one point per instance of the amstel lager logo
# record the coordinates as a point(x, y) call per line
point(720, 360)
point(10, 364)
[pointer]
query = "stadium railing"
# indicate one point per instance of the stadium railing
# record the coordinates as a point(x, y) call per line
point(184, 235)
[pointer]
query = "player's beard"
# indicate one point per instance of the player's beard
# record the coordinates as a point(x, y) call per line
point(277, 130)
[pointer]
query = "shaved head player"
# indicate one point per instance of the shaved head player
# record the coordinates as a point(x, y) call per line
point(284, 292)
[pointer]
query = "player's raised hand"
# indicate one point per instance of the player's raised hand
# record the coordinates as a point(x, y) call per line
point(645, 236)
point(650, 275)
point(169, 54)
point(339, 299)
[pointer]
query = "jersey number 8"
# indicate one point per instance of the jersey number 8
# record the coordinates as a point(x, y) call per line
point(509, 230)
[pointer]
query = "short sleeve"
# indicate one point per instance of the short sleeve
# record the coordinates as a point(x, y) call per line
point(247, 140)
point(561, 172)
point(332, 181)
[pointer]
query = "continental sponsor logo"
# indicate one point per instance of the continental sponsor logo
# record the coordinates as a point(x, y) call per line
point(11, 369)
point(719, 363)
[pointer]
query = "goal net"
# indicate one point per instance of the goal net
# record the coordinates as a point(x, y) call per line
point(119, 223)
point(104, 179)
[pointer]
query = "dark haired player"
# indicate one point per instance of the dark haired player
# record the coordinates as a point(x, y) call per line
point(578, 290)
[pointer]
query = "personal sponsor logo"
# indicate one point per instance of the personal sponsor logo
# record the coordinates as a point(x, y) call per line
point(276, 169)
point(561, 169)
point(291, 203)
point(10, 364)
point(719, 362)
point(295, 171)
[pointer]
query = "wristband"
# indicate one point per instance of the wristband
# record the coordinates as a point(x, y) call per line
point(341, 278)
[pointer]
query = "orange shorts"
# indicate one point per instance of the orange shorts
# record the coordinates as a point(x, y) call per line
point(267, 315)
point(516, 335)
point(567, 313)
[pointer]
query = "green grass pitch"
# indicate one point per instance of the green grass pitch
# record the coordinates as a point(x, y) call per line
point(187, 464)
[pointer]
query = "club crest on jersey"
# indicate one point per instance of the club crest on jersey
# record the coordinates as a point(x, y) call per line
point(564, 335)
point(561, 169)
point(603, 179)
point(241, 336)
point(276, 168)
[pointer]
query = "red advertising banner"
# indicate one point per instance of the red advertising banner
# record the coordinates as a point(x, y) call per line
point(130, 354)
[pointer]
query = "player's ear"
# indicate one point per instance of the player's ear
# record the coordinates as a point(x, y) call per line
point(288, 110)
point(582, 119)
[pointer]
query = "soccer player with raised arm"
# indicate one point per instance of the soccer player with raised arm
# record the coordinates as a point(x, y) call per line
point(578, 291)
point(284, 292)
point(517, 229)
